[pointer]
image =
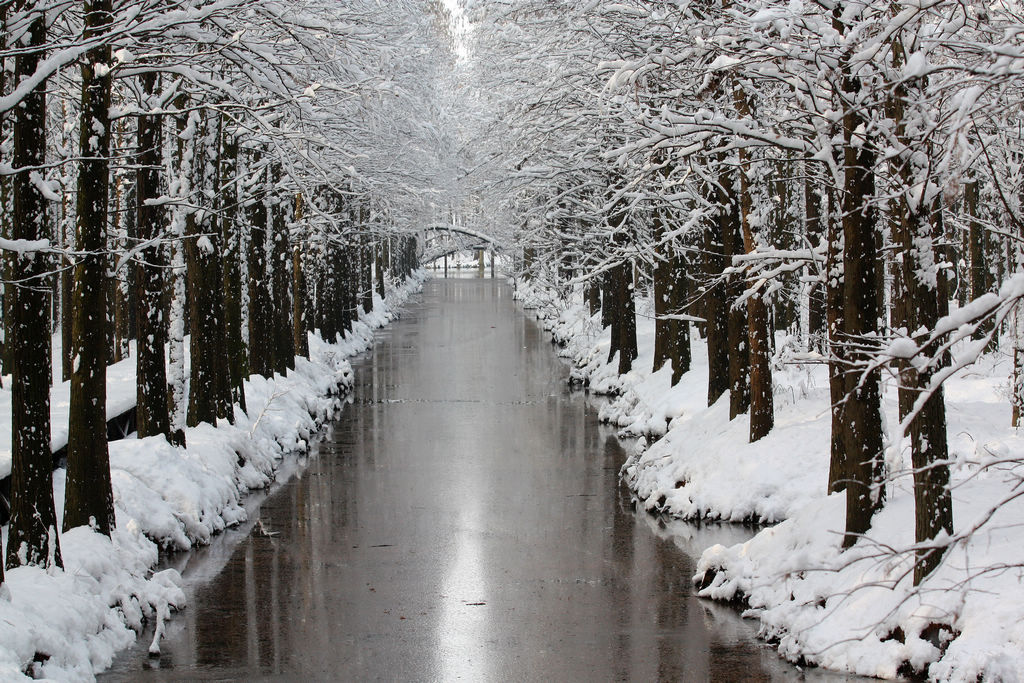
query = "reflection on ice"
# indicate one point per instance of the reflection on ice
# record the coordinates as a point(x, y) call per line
point(464, 617)
point(462, 520)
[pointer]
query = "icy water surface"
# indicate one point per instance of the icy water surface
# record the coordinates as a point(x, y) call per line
point(462, 520)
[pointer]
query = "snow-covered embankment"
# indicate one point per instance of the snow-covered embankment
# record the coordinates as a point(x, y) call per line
point(853, 611)
point(67, 625)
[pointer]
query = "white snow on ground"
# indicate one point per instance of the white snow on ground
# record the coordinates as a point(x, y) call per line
point(67, 625)
point(120, 399)
point(853, 611)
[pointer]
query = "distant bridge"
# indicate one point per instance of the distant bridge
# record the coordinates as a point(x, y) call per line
point(477, 240)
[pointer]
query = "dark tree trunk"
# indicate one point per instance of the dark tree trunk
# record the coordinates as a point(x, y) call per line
point(366, 272)
point(300, 324)
point(816, 317)
point(594, 299)
point(411, 256)
point(205, 316)
point(944, 253)
point(66, 235)
point(623, 309)
point(342, 284)
point(354, 279)
point(389, 256)
point(110, 289)
point(928, 438)
point(627, 321)
point(378, 268)
point(976, 245)
point(5, 228)
point(176, 285)
point(664, 341)
point(238, 361)
point(762, 408)
point(679, 329)
point(716, 311)
point(313, 262)
point(739, 352)
point(612, 297)
point(759, 327)
point(914, 234)
point(260, 359)
point(346, 288)
point(122, 286)
point(88, 496)
point(607, 301)
point(281, 329)
point(120, 302)
point(67, 287)
point(837, 474)
point(151, 414)
point(211, 272)
point(671, 336)
point(738, 344)
point(329, 294)
point(322, 294)
point(32, 534)
point(861, 415)
point(6, 260)
point(208, 382)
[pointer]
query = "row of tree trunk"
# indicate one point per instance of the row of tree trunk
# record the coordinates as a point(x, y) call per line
point(699, 277)
point(234, 261)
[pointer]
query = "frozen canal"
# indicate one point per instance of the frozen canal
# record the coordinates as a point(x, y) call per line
point(462, 520)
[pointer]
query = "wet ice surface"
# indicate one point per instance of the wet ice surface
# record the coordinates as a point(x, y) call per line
point(461, 520)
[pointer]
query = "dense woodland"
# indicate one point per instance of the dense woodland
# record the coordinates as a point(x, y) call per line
point(201, 180)
point(828, 182)
point(831, 182)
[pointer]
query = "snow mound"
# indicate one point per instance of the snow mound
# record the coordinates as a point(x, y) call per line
point(852, 610)
point(68, 624)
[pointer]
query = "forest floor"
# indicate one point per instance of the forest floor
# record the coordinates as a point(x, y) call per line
point(68, 624)
point(854, 611)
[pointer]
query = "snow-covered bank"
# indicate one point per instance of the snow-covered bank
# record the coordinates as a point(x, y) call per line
point(853, 611)
point(67, 625)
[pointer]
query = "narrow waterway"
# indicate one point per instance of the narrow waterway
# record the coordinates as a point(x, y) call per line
point(461, 520)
